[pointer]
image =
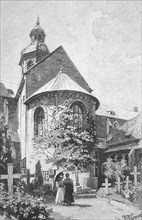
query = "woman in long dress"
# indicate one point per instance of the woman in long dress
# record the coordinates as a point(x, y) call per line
point(60, 192)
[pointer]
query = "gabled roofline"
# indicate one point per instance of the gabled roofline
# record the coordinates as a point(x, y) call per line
point(90, 90)
point(49, 55)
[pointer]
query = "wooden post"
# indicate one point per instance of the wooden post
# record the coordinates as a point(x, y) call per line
point(135, 173)
point(106, 184)
point(127, 182)
point(10, 176)
point(118, 183)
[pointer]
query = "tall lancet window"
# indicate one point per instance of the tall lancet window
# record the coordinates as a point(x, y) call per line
point(77, 117)
point(39, 117)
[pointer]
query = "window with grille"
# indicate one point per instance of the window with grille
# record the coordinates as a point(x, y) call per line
point(39, 117)
point(45, 175)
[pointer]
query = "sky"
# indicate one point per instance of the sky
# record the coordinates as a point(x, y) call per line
point(102, 38)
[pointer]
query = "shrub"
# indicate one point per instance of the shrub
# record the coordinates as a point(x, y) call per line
point(27, 207)
point(23, 206)
point(45, 191)
point(131, 193)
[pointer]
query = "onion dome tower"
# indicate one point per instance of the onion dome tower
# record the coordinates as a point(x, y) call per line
point(37, 49)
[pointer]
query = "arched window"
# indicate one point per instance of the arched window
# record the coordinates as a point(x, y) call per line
point(112, 156)
point(126, 159)
point(119, 157)
point(77, 117)
point(29, 64)
point(116, 124)
point(39, 117)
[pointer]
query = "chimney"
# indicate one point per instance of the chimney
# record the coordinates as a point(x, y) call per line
point(135, 109)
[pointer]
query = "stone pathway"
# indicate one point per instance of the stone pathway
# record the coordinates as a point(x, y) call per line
point(95, 209)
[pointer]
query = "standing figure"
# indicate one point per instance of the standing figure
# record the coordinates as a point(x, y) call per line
point(60, 192)
point(69, 190)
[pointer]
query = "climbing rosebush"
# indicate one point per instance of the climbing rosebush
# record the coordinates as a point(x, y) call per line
point(3, 194)
point(113, 170)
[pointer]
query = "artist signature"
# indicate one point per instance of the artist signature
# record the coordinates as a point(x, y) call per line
point(131, 217)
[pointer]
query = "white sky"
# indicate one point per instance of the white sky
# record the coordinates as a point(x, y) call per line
point(102, 38)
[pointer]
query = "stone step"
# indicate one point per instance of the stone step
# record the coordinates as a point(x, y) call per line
point(83, 195)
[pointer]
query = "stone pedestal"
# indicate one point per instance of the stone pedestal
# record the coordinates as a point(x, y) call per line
point(92, 182)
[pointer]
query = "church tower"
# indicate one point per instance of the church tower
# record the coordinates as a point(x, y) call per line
point(37, 49)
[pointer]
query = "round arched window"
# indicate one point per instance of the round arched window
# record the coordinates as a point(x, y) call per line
point(119, 157)
point(29, 64)
point(112, 156)
point(39, 117)
point(116, 124)
point(77, 117)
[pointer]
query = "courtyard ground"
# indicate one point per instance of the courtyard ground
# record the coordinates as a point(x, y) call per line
point(95, 209)
point(113, 207)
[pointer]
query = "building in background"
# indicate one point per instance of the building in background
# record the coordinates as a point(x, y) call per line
point(125, 142)
point(108, 119)
point(9, 113)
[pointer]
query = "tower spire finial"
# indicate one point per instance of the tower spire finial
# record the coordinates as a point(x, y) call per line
point(38, 22)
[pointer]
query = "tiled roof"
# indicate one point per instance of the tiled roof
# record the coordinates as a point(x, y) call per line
point(109, 111)
point(133, 127)
point(130, 131)
point(61, 82)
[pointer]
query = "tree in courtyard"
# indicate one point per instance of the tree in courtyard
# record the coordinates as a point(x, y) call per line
point(71, 150)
